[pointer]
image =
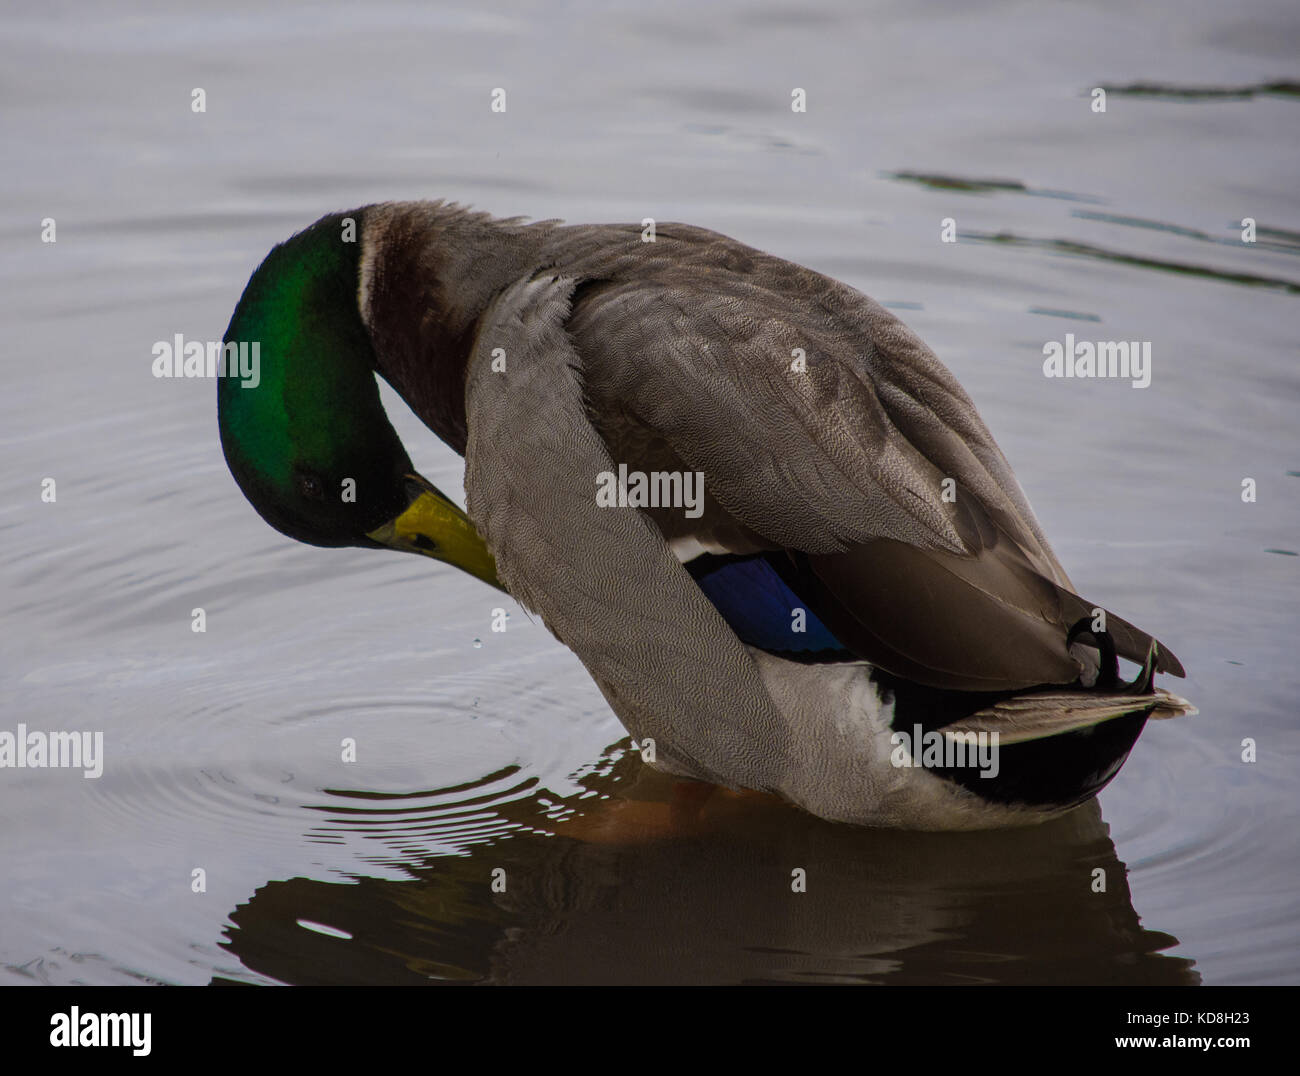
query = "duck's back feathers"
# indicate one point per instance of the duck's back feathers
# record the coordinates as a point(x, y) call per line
point(825, 428)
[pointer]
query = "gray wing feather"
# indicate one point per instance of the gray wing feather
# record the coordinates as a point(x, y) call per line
point(695, 333)
point(692, 340)
point(603, 579)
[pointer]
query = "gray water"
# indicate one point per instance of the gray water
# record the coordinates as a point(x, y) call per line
point(478, 750)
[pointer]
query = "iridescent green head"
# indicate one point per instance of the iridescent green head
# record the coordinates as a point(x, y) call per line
point(308, 441)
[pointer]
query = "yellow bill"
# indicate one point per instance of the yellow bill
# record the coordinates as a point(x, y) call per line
point(433, 526)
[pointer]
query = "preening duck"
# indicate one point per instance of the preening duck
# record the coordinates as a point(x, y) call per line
point(858, 596)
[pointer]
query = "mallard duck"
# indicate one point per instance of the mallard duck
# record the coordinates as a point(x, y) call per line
point(857, 590)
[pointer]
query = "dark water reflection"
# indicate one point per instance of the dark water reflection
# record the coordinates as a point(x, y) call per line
point(999, 907)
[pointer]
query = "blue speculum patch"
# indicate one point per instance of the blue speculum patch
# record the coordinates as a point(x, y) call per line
point(759, 606)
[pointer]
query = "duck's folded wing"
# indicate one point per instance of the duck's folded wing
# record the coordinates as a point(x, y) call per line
point(603, 579)
point(824, 425)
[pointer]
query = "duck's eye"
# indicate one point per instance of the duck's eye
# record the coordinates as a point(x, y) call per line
point(311, 487)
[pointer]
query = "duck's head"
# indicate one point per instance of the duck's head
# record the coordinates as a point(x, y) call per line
point(307, 440)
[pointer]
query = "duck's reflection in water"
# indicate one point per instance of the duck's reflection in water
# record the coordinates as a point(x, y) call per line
point(627, 892)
